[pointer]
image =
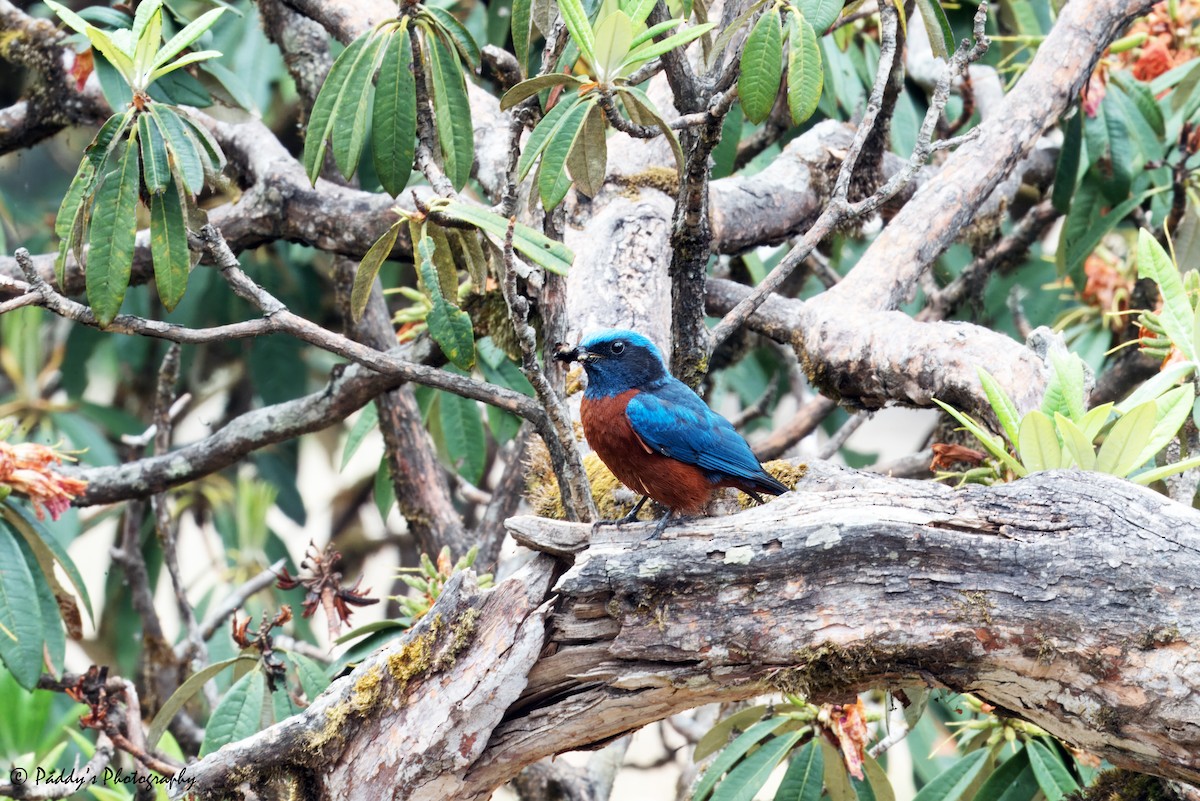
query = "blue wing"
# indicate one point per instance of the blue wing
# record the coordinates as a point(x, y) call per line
point(673, 420)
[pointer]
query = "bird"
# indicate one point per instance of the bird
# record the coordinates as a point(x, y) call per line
point(656, 435)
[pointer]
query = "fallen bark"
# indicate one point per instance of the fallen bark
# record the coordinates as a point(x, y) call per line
point(1049, 597)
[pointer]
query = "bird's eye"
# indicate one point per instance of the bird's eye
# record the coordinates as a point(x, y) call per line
point(618, 347)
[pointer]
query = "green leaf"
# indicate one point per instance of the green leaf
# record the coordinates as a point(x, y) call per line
point(990, 441)
point(186, 37)
point(183, 61)
point(950, 783)
point(820, 14)
point(239, 714)
point(1012, 781)
point(99, 39)
point(588, 159)
point(1077, 443)
point(644, 51)
point(1094, 420)
point(521, 11)
point(1177, 314)
point(20, 614)
point(182, 145)
point(576, 21)
point(353, 104)
point(639, 10)
point(837, 780)
point(553, 182)
point(311, 675)
point(878, 780)
point(645, 37)
point(1064, 390)
point(1085, 228)
point(725, 36)
point(636, 101)
point(1002, 405)
point(394, 118)
point(453, 33)
point(368, 268)
point(54, 645)
point(614, 36)
point(936, 23)
point(1051, 774)
point(169, 245)
point(733, 753)
point(49, 551)
point(1122, 448)
point(1159, 473)
point(805, 775)
point(449, 325)
point(715, 738)
point(365, 424)
point(1156, 386)
point(1170, 411)
point(384, 489)
point(1038, 444)
point(147, 35)
point(1066, 174)
point(466, 442)
point(201, 136)
point(155, 168)
point(542, 133)
point(745, 780)
point(762, 62)
point(444, 261)
point(1120, 159)
point(806, 75)
point(74, 204)
point(320, 120)
point(184, 693)
point(456, 135)
point(547, 253)
point(113, 236)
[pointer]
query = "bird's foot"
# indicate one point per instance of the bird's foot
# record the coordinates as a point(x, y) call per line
point(620, 521)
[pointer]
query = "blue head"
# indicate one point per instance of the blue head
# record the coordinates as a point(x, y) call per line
point(616, 360)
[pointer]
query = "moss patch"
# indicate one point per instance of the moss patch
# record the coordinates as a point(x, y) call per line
point(1125, 785)
point(541, 488)
point(664, 179)
point(787, 473)
point(361, 701)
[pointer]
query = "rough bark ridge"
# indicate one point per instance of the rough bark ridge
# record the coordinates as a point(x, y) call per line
point(1048, 597)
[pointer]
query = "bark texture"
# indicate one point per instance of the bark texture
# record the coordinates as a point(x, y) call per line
point(1066, 599)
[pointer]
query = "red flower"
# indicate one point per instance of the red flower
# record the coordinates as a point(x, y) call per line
point(25, 468)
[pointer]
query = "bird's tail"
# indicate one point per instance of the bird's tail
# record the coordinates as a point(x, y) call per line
point(769, 484)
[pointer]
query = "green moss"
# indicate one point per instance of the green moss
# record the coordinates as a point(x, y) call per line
point(1125, 785)
point(361, 701)
point(974, 607)
point(541, 488)
point(664, 179)
point(1157, 636)
point(788, 474)
point(463, 628)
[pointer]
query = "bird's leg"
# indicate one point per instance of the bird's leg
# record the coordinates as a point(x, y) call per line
point(662, 524)
point(629, 518)
point(755, 496)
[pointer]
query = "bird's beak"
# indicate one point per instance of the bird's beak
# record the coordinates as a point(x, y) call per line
point(581, 355)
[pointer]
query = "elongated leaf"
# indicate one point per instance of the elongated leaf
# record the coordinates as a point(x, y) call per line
point(636, 100)
point(50, 610)
point(365, 424)
point(614, 36)
point(1038, 444)
point(20, 614)
point(1094, 420)
point(588, 159)
point(320, 120)
point(394, 118)
point(877, 778)
point(1154, 263)
point(215, 157)
point(1170, 411)
point(541, 135)
point(951, 783)
point(1051, 774)
point(1096, 227)
point(449, 325)
point(1064, 390)
point(1156, 386)
point(1012, 781)
point(716, 737)
point(73, 205)
point(1118, 167)
point(239, 714)
point(368, 268)
point(527, 89)
point(113, 236)
point(384, 490)
point(553, 181)
point(168, 244)
point(733, 753)
point(805, 775)
point(183, 61)
point(837, 780)
point(1122, 447)
point(99, 39)
point(1066, 173)
point(547, 253)
point(184, 693)
point(444, 261)
point(49, 552)
point(1002, 405)
point(147, 35)
point(1077, 443)
point(655, 30)
point(762, 63)
point(820, 14)
point(521, 18)
point(655, 49)
point(453, 34)
point(1148, 477)
point(466, 443)
point(187, 36)
point(991, 442)
point(638, 10)
point(941, 36)
point(155, 168)
point(456, 135)
point(470, 255)
point(806, 74)
point(182, 145)
point(576, 21)
point(353, 104)
point(725, 36)
point(745, 780)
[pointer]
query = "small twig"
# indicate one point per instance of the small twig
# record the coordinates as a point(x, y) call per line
point(645, 72)
point(840, 436)
point(558, 433)
point(840, 210)
point(155, 762)
point(472, 493)
point(760, 406)
point(620, 123)
point(218, 616)
point(893, 737)
point(28, 299)
point(146, 437)
point(717, 108)
point(867, 11)
point(800, 426)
